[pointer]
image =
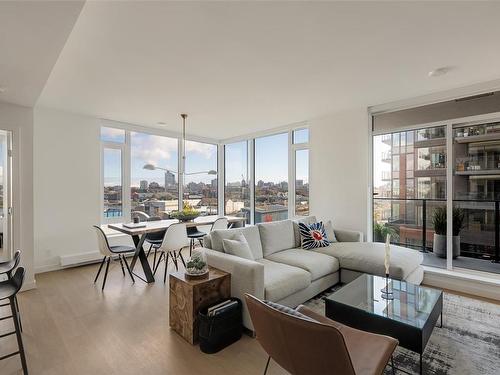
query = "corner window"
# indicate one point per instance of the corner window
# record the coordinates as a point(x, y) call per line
point(237, 180)
point(113, 183)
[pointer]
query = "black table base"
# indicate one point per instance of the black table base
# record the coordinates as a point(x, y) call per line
point(409, 337)
point(141, 255)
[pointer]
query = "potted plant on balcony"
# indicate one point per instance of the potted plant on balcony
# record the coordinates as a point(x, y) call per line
point(439, 222)
point(380, 232)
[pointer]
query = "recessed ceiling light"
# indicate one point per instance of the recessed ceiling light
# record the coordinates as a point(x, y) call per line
point(440, 71)
point(161, 123)
point(2, 89)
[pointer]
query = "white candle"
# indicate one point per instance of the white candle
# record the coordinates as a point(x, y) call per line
point(387, 259)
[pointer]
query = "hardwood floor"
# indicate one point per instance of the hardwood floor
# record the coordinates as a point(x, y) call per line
point(71, 327)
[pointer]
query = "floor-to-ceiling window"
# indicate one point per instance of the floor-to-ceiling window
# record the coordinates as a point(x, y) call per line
point(409, 181)
point(414, 171)
point(476, 194)
point(271, 178)
point(113, 142)
point(237, 180)
point(300, 149)
point(200, 181)
point(154, 187)
point(263, 178)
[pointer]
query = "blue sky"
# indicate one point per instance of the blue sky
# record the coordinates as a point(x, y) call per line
point(271, 158)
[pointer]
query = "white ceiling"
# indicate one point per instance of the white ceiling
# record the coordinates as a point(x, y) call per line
point(246, 66)
point(32, 34)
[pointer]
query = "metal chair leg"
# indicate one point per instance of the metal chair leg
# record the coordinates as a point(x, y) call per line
point(128, 269)
point(18, 335)
point(174, 258)
point(100, 268)
point(106, 273)
point(154, 256)
point(165, 272)
point(267, 365)
point(121, 263)
point(182, 258)
point(149, 251)
point(191, 244)
point(18, 313)
point(158, 263)
point(392, 366)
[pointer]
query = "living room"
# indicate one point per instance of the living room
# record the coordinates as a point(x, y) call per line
point(366, 122)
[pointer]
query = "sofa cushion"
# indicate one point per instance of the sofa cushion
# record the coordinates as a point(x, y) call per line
point(207, 242)
point(282, 280)
point(368, 257)
point(276, 236)
point(296, 231)
point(313, 235)
point(318, 265)
point(330, 232)
point(250, 232)
point(238, 247)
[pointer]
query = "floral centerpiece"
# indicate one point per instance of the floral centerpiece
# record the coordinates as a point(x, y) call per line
point(197, 264)
point(187, 214)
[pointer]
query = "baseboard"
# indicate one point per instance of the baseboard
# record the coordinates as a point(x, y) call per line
point(478, 285)
point(29, 285)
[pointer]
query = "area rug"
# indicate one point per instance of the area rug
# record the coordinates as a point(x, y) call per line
point(468, 343)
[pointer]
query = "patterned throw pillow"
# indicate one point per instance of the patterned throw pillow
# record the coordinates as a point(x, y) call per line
point(313, 235)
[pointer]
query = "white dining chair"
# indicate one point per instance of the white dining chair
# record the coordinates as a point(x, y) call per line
point(111, 253)
point(195, 234)
point(220, 223)
point(174, 241)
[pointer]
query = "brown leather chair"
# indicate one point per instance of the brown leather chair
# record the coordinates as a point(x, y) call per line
point(313, 344)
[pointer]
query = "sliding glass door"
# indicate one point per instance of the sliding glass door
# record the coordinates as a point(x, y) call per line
point(476, 194)
point(409, 189)
point(411, 174)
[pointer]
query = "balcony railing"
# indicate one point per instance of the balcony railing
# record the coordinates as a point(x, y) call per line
point(412, 223)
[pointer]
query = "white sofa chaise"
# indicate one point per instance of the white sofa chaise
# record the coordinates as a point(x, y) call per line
point(285, 273)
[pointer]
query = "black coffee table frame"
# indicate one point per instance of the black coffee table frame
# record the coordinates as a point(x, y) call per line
point(409, 337)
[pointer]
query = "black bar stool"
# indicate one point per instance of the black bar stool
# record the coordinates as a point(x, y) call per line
point(9, 290)
point(10, 265)
point(7, 268)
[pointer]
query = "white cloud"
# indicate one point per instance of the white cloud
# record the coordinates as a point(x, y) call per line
point(204, 149)
point(156, 150)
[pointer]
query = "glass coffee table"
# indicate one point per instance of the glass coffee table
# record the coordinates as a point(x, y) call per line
point(410, 317)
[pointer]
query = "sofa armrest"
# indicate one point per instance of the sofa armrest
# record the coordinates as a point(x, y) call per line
point(247, 276)
point(344, 235)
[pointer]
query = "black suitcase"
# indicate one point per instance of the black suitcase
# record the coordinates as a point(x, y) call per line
point(217, 332)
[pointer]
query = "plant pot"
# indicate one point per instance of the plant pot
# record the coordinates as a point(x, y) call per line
point(440, 245)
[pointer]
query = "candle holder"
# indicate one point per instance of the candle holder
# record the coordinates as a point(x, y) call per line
point(387, 290)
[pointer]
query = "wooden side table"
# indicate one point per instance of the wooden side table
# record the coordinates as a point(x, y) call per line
point(188, 296)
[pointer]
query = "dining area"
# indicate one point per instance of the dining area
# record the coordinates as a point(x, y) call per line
point(167, 240)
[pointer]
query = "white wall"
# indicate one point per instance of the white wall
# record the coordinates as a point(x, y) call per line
point(19, 120)
point(67, 185)
point(339, 168)
point(67, 179)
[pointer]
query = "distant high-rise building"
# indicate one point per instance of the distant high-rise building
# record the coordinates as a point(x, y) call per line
point(143, 185)
point(214, 183)
point(169, 180)
point(300, 183)
point(154, 186)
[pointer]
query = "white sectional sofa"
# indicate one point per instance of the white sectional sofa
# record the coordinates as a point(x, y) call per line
point(285, 273)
